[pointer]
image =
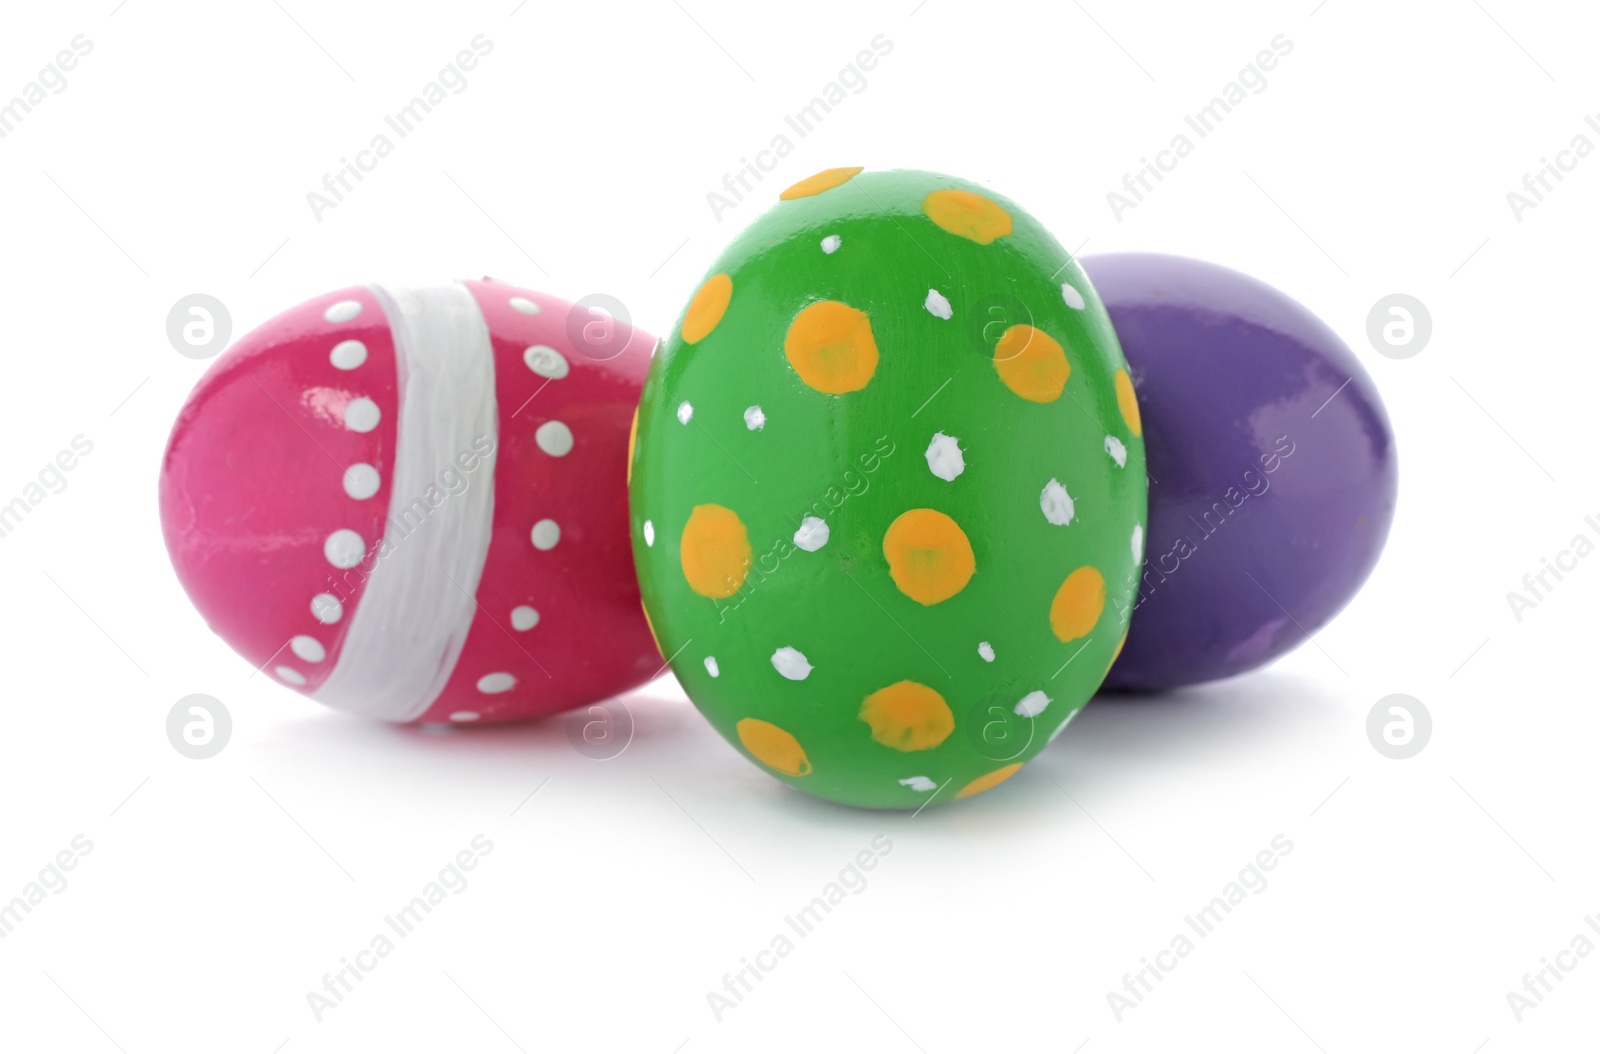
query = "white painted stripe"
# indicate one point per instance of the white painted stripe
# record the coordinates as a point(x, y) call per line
point(409, 627)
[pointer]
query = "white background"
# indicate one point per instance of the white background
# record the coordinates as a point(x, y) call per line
point(578, 160)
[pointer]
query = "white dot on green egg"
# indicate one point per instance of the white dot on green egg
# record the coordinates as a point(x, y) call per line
point(343, 311)
point(1138, 542)
point(361, 414)
point(755, 418)
point(986, 651)
point(649, 534)
point(1062, 727)
point(290, 676)
point(344, 548)
point(361, 481)
point(523, 618)
point(1056, 503)
point(546, 533)
point(495, 683)
point(326, 609)
point(711, 666)
point(524, 305)
point(936, 304)
point(919, 783)
point(685, 411)
point(1118, 452)
point(830, 244)
point(945, 459)
point(554, 438)
point(308, 648)
point(546, 361)
point(348, 354)
point(464, 716)
point(1032, 704)
point(791, 663)
point(1073, 298)
point(812, 535)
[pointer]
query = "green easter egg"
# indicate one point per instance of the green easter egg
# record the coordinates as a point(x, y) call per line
point(888, 490)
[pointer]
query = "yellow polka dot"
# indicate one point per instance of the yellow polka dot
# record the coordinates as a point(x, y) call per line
point(993, 779)
point(830, 346)
point(706, 309)
point(1118, 653)
point(929, 556)
point(968, 215)
point(774, 747)
point(1078, 604)
point(1127, 402)
point(714, 551)
point(827, 179)
point(908, 716)
point(1032, 364)
point(633, 440)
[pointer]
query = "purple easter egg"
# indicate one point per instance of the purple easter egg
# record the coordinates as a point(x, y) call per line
point(1272, 468)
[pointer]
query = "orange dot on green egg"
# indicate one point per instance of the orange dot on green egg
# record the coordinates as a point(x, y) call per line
point(1127, 402)
point(967, 214)
point(989, 781)
point(930, 558)
point(707, 308)
point(1032, 363)
point(773, 747)
point(827, 179)
point(714, 551)
point(908, 716)
point(1078, 604)
point(830, 345)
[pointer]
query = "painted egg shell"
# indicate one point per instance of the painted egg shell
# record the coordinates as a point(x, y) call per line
point(887, 485)
point(1272, 468)
point(408, 502)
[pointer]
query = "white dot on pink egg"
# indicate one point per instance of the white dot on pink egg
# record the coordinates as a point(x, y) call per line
point(348, 354)
point(361, 481)
point(326, 609)
point(343, 311)
point(554, 438)
point(495, 683)
point(344, 548)
point(290, 676)
point(361, 414)
point(308, 648)
point(524, 305)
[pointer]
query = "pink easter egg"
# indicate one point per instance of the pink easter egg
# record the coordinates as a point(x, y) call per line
point(411, 502)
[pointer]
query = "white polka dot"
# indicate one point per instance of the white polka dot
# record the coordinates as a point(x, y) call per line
point(545, 361)
point(361, 481)
point(685, 411)
point(1073, 298)
point(1062, 727)
point(649, 534)
point(1138, 542)
point(919, 783)
point(524, 618)
point(1032, 704)
point(465, 715)
point(711, 666)
point(343, 311)
point(944, 456)
point(755, 419)
point(546, 533)
point(361, 414)
point(936, 304)
point(290, 676)
point(554, 438)
point(812, 535)
point(524, 305)
point(830, 244)
point(1118, 452)
point(1056, 503)
point(348, 354)
point(495, 683)
point(987, 651)
point(326, 609)
point(308, 648)
point(344, 548)
point(791, 664)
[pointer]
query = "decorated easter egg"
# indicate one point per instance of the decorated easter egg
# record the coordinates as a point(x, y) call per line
point(888, 489)
point(409, 502)
point(1272, 468)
